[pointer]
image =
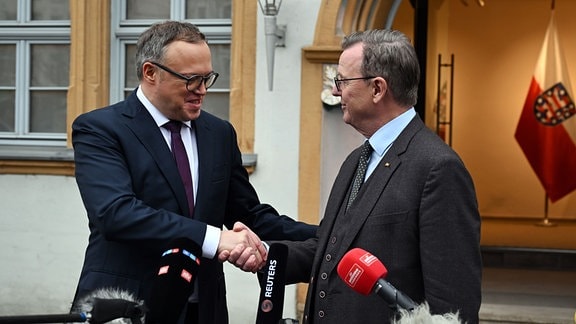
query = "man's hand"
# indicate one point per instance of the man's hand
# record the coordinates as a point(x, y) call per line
point(241, 247)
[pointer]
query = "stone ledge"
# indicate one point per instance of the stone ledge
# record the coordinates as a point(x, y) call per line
point(490, 313)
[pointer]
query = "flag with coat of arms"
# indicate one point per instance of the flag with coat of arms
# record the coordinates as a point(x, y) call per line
point(546, 131)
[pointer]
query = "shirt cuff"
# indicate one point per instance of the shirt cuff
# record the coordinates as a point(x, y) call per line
point(211, 240)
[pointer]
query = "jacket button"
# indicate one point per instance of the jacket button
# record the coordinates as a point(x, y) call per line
point(321, 313)
point(328, 257)
point(324, 275)
point(322, 294)
point(333, 239)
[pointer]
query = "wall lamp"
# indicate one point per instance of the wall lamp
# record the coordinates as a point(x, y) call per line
point(274, 34)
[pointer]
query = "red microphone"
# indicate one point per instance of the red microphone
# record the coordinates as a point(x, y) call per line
point(364, 273)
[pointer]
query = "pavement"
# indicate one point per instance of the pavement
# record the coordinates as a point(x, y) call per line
point(528, 296)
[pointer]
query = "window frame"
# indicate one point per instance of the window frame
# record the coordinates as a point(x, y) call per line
point(21, 153)
point(126, 31)
point(21, 136)
point(83, 97)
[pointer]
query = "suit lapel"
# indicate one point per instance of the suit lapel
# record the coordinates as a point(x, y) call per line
point(147, 132)
point(371, 191)
point(338, 194)
point(205, 145)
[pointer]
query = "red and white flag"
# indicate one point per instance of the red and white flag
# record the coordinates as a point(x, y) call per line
point(546, 131)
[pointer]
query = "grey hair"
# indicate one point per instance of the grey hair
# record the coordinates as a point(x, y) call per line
point(152, 42)
point(389, 54)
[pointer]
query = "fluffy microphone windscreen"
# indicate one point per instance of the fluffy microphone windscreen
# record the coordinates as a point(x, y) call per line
point(360, 270)
point(174, 282)
point(111, 305)
point(116, 311)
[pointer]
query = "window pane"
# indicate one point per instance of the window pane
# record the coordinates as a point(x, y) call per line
point(7, 111)
point(207, 9)
point(48, 111)
point(217, 103)
point(50, 65)
point(147, 9)
point(8, 11)
point(130, 68)
point(221, 64)
point(8, 65)
point(50, 10)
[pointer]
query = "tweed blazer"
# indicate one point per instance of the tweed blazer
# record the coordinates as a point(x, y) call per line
point(418, 214)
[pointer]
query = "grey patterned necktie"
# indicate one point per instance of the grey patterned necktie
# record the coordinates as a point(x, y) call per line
point(360, 171)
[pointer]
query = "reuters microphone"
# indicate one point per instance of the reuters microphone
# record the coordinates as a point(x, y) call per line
point(174, 282)
point(364, 273)
point(273, 282)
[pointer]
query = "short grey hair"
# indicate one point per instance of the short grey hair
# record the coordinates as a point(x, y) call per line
point(389, 54)
point(152, 42)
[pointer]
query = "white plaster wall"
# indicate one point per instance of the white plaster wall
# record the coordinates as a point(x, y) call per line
point(43, 232)
point(277, 115)
point(43, 227)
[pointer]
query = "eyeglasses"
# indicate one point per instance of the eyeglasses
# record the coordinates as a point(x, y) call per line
point(194, 81)
point(339, 82)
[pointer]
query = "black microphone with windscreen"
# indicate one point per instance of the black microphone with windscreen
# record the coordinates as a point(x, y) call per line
point(105, 305)
point(174, 282)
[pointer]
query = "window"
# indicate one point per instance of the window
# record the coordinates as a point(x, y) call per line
point(131, 17)
point(34, 60)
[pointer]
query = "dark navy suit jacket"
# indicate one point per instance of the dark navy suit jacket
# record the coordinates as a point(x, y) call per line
point(134, 199)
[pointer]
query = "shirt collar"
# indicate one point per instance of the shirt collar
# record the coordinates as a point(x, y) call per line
point(158, 117)
point(387, 134)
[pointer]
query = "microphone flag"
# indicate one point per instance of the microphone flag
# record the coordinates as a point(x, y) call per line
point(271, 302)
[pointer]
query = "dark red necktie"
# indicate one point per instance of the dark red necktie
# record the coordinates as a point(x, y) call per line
point(179, 152)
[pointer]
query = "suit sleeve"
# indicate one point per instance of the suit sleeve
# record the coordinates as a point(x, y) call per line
point(263, 219)
point(450, 240)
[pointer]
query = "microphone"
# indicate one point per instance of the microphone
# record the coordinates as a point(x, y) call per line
point(271, 302)
point(422, 314)
point(51, 318)
point(111, 305)
point(174, 282)
point(106, 305)
point(364, 273)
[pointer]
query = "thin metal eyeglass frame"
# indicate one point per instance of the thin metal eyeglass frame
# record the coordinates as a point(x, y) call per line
point(338, 81)
point(196, 79)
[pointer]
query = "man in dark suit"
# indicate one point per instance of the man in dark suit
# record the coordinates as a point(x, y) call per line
point(137, 201)
point(415, 209)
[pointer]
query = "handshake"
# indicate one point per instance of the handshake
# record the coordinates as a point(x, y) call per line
point(243, 248)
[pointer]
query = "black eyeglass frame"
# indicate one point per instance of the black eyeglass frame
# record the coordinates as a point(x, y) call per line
point(196, 80)
point(337, 81)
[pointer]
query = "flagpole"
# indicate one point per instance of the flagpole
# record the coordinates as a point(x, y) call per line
point(546, 222)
